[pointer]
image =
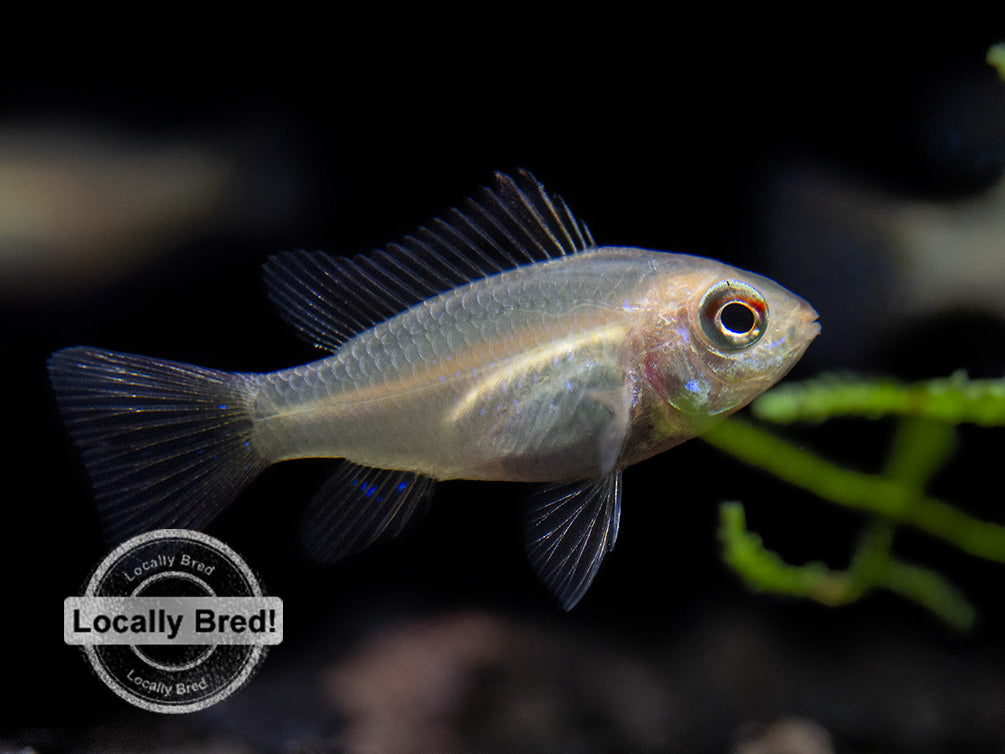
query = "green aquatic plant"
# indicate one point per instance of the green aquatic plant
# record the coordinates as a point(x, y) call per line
point(996, 58)
point(928, 416)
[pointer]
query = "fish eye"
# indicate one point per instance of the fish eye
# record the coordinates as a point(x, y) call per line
point(733, 315)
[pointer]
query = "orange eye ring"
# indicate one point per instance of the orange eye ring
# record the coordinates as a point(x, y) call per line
point(734, 315)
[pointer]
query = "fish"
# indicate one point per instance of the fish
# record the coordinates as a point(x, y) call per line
point(884, 263)
point(85, 206)
point(498, 343)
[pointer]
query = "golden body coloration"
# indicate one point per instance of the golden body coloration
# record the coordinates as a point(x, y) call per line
point(498, 344)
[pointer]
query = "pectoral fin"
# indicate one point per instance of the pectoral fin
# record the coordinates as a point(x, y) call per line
point(358, 505)
point(568, 529)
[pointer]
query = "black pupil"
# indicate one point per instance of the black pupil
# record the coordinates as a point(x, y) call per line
point(737, 318)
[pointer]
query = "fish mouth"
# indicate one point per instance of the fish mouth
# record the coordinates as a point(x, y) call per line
point(811, 329)
point(810, 324)
point(804, 328)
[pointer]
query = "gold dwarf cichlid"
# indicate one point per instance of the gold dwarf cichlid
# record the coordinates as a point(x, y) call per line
point(498, 343)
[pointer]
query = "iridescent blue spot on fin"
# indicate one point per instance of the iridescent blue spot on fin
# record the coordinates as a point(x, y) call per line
point(358, 505)
point(568, 530)
point(330, 299)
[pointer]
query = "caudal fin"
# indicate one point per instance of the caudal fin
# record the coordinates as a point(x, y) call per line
point(166, 444)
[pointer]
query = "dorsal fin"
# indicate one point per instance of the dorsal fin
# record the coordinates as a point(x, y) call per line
point(330, 299)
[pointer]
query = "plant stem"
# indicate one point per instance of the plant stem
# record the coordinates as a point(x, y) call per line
point(874, 493)
point(952, 399)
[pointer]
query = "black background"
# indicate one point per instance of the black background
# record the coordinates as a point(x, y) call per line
point(661, 130)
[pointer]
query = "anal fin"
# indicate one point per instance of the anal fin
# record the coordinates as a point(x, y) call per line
point(358, 505)
point(568, 530)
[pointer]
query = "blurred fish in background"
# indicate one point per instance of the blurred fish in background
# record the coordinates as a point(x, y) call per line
point(882, 266)
point(84, 205)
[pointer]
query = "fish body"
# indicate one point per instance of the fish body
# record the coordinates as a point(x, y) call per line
point(472, 385)
point(502, 344)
